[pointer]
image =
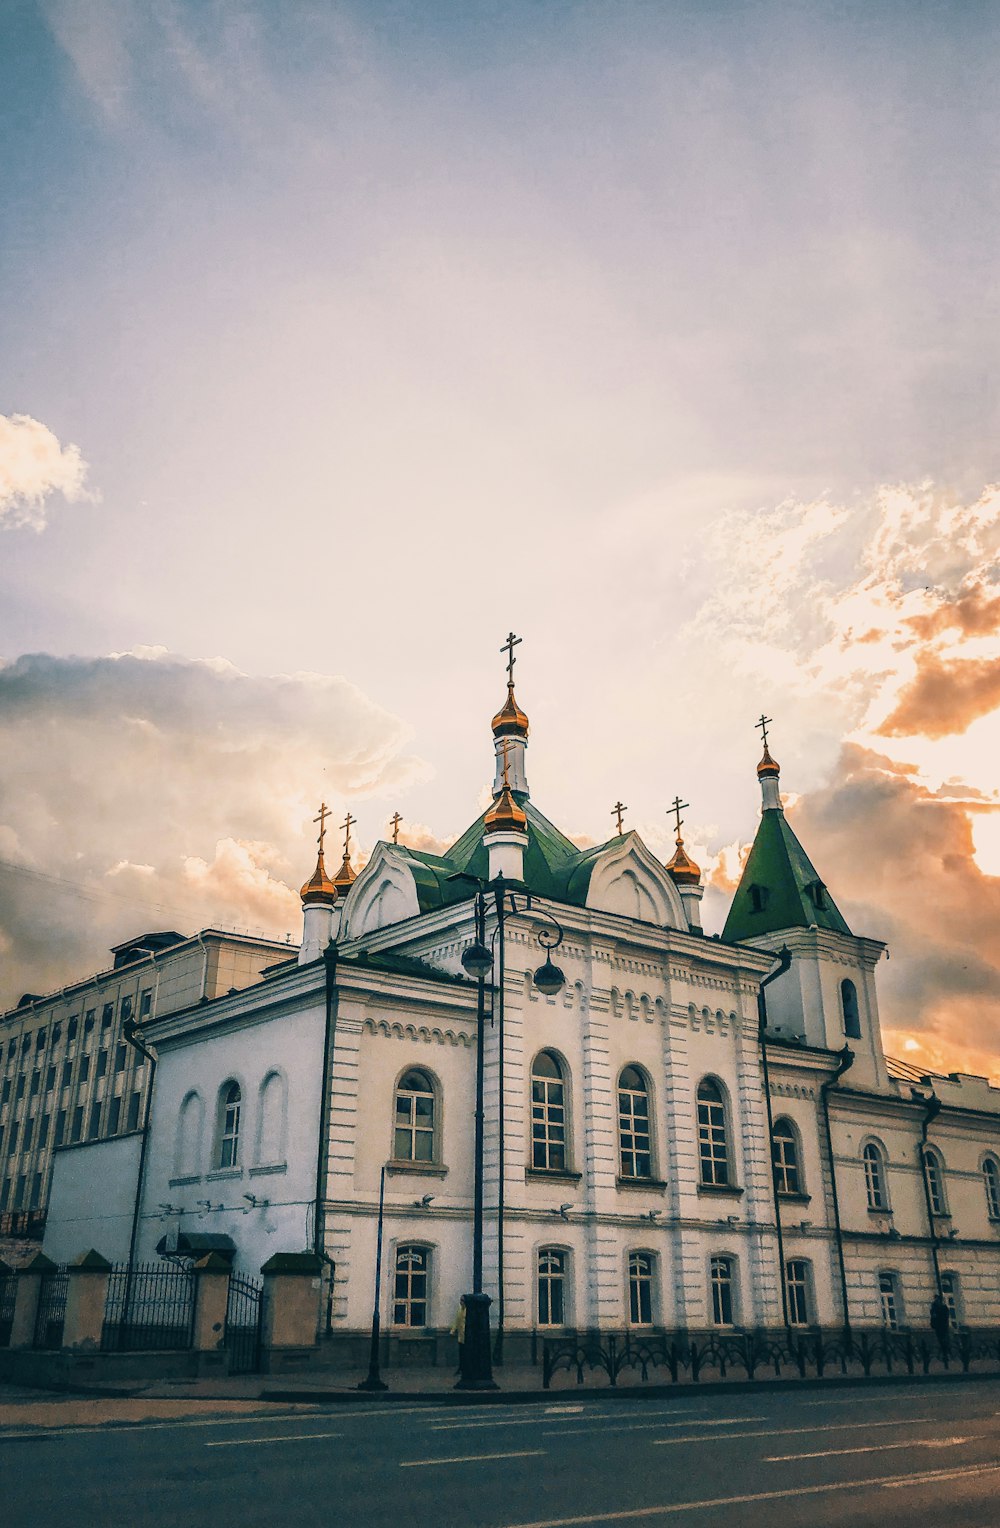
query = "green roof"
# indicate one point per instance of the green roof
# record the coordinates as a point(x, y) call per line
point(779, 887)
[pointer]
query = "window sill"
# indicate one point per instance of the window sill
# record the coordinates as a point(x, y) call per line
point(657, 1185)
point(885, 1212)
point(794, 1198)
point(726, 1190)
point(265, 1168)
point(187, 1178)
point(416, 1169)
point(551, 1175)
point(224, 1172)
point(940, 1214)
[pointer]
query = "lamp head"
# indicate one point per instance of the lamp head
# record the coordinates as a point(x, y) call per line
point(477, 960)
point(549, 979)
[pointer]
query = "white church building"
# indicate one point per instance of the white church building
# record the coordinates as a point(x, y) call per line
point(654, 1157)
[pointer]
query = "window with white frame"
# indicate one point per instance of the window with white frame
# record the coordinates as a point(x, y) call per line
point(548, 1114)
point(889, 1299)
point(875, 1179)
point(640, 1288)
point(720, 1277)
point(785, 1155)
point(713, 1150)
point(551, 1287)
point(950, 1295)
point(634, 1143)
point(410, 1286)
point(797, 1291)
point(414, 1139)
point(229, 1126)
point(991, 1183)
point(934, 1173)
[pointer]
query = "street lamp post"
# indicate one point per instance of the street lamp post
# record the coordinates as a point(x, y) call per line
point(375, 1380)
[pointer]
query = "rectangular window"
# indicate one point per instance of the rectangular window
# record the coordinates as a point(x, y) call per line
point(126, 1012)
point(40, 1040)
point(107, 1014)
point(949, 1290)
point(95, 1119)
point(145, 1003)
point(36, 1192)
point(19, 1192)
point(60, 1134)
point(5, 1092)
point(43, 1131)
point(4, 1195)
point(888, 1290)
point(73, 1025)
point(640, 1288)
point(114, 1115)
point(67, 1073)
point(50, 1079)
point(133, 1112)
point(36, 1082)
point(102, 1063)
point(414, 1134)
point(409, 1298)
point(121, 1057)
point(548, 1117)
point(19, 1090)
point(551, 1287)
point(84, 1068)
point(712, 1150)
point(721, 1278)
point(77, 1129)
point(635, 1153)
point(88, 1023)
point(29, 1131)
point(797, 1292)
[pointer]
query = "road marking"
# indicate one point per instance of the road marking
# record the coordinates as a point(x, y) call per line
point(890, 1482)
point(874, 1448)
point(523, 1453)
point(562, 1410)
point(282, 1438)
point(604, 1422)
point(787, 1432)
point(124, 1426)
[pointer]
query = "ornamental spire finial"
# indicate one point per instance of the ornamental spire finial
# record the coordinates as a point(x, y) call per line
point(682, 867)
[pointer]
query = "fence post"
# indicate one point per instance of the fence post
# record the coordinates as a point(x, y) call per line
point(292, 1293)
point(211, 1298)
point(29, 1290)
point(86, 1298)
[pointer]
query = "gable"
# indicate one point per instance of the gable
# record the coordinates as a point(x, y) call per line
point(626, 879)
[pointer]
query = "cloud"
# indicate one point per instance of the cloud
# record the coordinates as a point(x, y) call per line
point(945, 697)
point(33, 466)
point(146, 790)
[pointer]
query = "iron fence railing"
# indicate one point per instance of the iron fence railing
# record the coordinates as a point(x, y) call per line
point(8, 1294)
point(244, 1321)
point(51, 1313)
point(149, 1307)
point(682, 1356)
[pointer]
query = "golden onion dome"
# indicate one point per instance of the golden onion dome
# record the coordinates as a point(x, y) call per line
point(511, 720)
point(767, 766)
point(319, 888)
point(505, 816)
point(683, 868)
point(345, 875)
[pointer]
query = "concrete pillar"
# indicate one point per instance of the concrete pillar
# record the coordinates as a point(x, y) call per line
point(29, 1288)
point(211, 1299)
point(86, 1298)
point(292, 1293)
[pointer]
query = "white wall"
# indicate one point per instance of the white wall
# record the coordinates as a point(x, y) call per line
point(92, 1199)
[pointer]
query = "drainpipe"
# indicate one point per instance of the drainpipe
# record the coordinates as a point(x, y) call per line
point(844, 1064)
point(130, 1032)
point(933, 1108)
point(323, 1144)
point(784, 961)
point(200, 936)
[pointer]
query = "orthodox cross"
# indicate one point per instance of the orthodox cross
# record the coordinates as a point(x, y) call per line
point(505, 747)
point(677, 806)
point(616, 811)
point(508, 648)
point(394, 822)
point(762, 726)
point(346, 825)
point(324, 813)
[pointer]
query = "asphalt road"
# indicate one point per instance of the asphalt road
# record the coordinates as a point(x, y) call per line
point(919, 1456)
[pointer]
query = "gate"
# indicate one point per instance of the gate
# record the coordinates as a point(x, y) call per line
point(8, 1293)
point(244, 1319)
point(51, 1314)
point(150, 1308)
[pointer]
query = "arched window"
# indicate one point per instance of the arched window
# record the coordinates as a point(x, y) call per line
point(634, 1146)
point(991, 1182)
point(713, 1151)
point(410, 1287)
point(551, 1287)
point(934, 1171)
point(849, 1004)
point(950, 1295)
point(190, 1124)
point(875, 1177)
point(785, 1155)
point(231, 1100)
point(797, 1291)
point(414, 1139)
point(548, 1114)
point(890, 1299)
point(721, 1280)
point(272, 1114)
point(640, 1288)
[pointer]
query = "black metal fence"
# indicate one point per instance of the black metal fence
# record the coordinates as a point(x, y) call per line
point(682, 1357)
point(244, 1323)
point(8, 1294)
point(51, 1313)
point(149, 1308)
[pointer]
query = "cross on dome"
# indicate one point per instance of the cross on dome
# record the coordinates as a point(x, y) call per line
point(321, 816)
point(394, 822)
point(616, 811)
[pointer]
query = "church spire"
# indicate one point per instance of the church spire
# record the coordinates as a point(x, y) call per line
point(683, 871)
point(768, 772)
point(510, 725)
point(319, 894)
point(345, 875)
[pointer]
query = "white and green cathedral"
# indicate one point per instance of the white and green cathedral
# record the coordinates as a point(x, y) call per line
point(658, 1149)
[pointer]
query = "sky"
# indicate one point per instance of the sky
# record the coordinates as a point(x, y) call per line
point(338, 340)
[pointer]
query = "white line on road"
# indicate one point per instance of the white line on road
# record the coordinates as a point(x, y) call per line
point(282, 1438)
point(891, 1482)
point(523, 1453)
point(605, 1421)
point(873, 1448)
point(786, 1432)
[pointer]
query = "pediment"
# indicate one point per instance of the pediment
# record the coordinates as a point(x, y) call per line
point(385, 892)
point(629, 880)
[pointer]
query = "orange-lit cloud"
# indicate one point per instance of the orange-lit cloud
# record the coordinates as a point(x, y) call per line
point(945, 697)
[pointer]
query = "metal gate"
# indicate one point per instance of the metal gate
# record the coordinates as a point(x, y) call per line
point(51, 1314)
point(149, 1308)
point(244, 1319)
point(8, 1294)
